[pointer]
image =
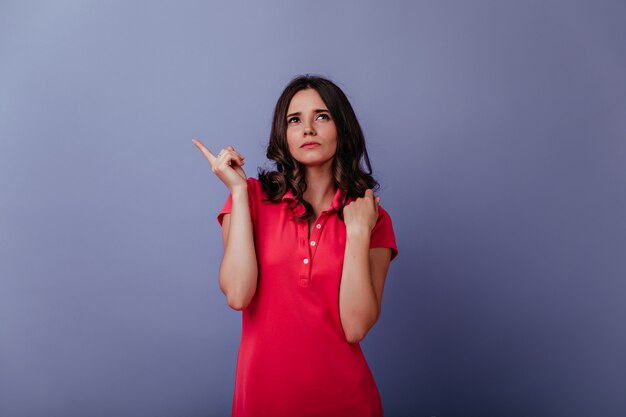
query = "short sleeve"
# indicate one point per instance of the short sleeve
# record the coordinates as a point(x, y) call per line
point(254, 188)
point(383, 235)
point(226, 209)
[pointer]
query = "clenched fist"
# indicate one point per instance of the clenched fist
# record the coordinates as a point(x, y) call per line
point(361, 214)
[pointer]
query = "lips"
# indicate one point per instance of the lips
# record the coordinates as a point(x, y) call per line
point(309, 145)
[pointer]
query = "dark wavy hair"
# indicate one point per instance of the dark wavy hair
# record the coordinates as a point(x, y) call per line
point(348, 173)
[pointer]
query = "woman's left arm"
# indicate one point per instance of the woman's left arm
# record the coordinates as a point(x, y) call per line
point(364, 270)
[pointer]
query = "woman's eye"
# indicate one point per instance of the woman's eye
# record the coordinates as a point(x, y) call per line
point(325, 116)
point(292, 120)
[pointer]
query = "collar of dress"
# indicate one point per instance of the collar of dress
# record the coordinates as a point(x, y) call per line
point(334, 205)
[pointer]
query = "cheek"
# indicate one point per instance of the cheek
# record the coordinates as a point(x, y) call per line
point(332, 133)
point(291, 143)
point(334, 136)
point(290, 139)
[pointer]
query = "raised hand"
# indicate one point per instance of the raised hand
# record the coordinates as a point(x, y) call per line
point(362, 213)
point(227, 165)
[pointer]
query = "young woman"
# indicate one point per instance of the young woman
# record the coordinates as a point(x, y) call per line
point(306, 253)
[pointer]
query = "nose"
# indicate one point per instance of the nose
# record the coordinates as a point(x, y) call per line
point(308, 131)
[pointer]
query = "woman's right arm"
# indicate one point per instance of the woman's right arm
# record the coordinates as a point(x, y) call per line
point(238, 271)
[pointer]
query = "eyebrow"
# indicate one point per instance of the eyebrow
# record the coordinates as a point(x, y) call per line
point(315, 111)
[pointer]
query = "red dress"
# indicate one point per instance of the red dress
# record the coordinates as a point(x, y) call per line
point(294, 359)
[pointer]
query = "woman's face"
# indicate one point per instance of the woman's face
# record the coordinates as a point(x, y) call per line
point(311, 131)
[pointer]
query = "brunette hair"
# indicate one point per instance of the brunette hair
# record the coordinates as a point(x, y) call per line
point(348, 174)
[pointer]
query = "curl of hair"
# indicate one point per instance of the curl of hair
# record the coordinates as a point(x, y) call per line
point(348, 173)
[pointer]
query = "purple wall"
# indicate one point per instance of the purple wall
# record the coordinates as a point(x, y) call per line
point(497, 131)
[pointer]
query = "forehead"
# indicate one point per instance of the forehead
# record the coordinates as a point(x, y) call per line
point(305, 100)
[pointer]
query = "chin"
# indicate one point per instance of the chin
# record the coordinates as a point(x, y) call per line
point(314, 162)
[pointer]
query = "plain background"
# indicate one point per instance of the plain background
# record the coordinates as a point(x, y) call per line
point(496, 128)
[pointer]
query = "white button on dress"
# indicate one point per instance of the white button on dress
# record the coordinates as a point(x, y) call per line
point(319, 226)
point(306, 260)
point(312, 243)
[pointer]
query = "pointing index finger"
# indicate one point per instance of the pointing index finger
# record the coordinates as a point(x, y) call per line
point(207, 153)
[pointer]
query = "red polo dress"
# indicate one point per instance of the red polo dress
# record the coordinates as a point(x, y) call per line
point(294, 359)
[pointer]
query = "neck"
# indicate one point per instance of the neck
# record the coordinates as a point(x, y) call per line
point(320, 186)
